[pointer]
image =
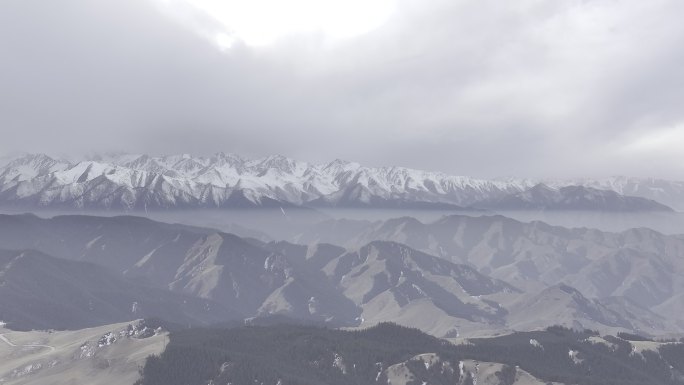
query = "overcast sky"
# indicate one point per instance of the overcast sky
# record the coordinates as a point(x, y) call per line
point(484, 87)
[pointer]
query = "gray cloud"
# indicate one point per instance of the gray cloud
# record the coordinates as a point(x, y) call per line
point(484, 88)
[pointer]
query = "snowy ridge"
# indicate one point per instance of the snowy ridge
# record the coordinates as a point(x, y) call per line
point(131, 182)
point(665, 191)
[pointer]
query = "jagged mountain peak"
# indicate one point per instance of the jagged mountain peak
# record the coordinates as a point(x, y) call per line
point(35, 158)
point(30, 166)
point(341, 163)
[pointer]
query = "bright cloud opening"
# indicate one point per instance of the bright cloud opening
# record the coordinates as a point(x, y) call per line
point(263, 22)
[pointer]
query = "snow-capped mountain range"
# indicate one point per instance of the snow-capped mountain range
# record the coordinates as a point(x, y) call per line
point(137, 182)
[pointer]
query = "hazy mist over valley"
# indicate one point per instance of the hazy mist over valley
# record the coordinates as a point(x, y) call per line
point(401, 192)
